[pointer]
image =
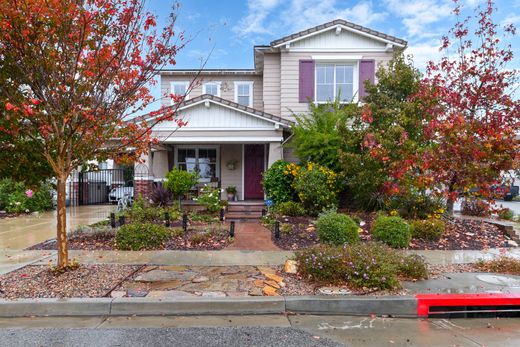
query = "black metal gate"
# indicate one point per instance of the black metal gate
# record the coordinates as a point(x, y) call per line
point(101, 186)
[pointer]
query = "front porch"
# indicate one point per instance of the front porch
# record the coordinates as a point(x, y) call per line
point(227, 144)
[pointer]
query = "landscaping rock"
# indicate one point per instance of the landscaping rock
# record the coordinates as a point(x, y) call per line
point(266, 270)
point(214, 294)
point(256, 291)
point(117, 294)
point(200, 279)
point(274, 277)
point(269, 291)
point(230, 271)
point(512, 243)
point(159, 294)
point(165, 275)
point(174, 268)
point(291, 266)
point(259, 283)
point(333, 291)
point(273, 284)
point(165, 285)
point(132, 293)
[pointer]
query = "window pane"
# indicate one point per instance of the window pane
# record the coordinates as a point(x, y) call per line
point(211, 88)
point(243, 89)
point(325, 92)
point(186, 153)
point(344, 90)
point(179, 89)
point(243, 100)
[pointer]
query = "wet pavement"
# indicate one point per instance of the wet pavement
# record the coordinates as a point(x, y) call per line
point(27, 230)
point(298, 330)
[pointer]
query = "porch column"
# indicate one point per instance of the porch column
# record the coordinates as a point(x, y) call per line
point(143, 176)
point(275, 153)
point(160, 164)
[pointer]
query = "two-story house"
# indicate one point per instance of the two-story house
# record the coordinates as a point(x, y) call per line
point(239, 119)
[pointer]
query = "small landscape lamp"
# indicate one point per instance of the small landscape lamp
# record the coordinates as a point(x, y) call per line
point(121, 220)
point(167, 219)
point(277, 230)
point(184, 222)
point(232, 229)
point(264, 212)
point(222, 215)
point(113, 220)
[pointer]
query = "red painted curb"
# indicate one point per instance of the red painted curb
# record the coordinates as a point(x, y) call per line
point(425, 301)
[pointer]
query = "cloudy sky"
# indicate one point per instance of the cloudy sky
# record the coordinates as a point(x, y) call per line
point(232, 27)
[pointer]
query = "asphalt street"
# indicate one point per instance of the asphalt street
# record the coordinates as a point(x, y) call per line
point(258, 331)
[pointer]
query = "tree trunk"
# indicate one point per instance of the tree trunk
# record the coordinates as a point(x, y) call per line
point(449, 206)
point(63, 253)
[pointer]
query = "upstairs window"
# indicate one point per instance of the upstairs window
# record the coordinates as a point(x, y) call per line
point(334, 80)
point(179, 88)
point(212, 88)
point(244, 93)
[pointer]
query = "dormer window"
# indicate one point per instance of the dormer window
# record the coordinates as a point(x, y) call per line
point(335, 80)
point(244, 93)
point(179, 88)
point(212, 88)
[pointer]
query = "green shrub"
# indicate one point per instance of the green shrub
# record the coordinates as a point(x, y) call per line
point(290, 208)
point(337, 229)
point(317, 188)
point(428, 229)
point(394, 231)
point(503, 264)
point(200, 238)
point(209, 197)
point(41, 199)
point(506, 214)
point(363, 265)
point(286, 228)
point(277, 181)
point(179, 182)
point(416, 205)
point(141, 236)
point(15, 197)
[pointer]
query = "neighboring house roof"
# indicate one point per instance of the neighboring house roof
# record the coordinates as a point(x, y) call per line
point(224, 102)
point(341, 22)
point(209, 72)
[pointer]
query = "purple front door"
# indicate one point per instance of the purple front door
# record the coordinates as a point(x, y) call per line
point(253, 168)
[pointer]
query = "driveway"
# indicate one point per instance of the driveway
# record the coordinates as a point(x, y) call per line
point(512, 205)
point(27, 230)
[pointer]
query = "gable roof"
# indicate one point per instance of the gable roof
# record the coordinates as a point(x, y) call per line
point(233, 105)
point(341, 23)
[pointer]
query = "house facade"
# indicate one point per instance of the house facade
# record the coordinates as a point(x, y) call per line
point(239, 120)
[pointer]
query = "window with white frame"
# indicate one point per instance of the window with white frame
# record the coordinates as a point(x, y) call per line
point(244, 93)
point(212, 88)
point(203, 160)
point(179, 88)
point(335, 80)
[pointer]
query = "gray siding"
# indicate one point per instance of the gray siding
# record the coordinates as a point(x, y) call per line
point(272, 83)
point(227, 86)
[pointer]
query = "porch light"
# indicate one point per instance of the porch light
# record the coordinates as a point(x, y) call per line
point(232, 229)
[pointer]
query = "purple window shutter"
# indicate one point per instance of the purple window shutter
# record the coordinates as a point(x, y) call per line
point(306, 79)
point(367, 71)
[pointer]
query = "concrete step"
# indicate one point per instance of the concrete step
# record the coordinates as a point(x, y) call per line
point(243, 215)
point(240, 208)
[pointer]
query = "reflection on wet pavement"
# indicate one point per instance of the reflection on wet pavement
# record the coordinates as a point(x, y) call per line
point(27, 230)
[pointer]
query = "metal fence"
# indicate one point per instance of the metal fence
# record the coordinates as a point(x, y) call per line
point(100, 186)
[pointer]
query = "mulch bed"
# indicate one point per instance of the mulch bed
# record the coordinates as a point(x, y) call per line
point(460, 234)
point(88, 281)
point(97, 241)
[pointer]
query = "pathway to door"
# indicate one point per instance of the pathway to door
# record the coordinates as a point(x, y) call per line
point(252, 235)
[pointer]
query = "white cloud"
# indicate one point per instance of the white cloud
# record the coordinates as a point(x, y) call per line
point(419, 16)
point(423, 52)
point(511, 19)
point(274, 17)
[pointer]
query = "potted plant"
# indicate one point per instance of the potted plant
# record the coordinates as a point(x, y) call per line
point(231, 164)
point(231, 192)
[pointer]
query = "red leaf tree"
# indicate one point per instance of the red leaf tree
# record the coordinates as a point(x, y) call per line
point(472, 120)
point(78, 69)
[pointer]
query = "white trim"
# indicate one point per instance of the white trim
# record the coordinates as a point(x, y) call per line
point(377, 38)
point(216, 139)
point(355, 79)
point(212, 82)
point(216, 129)
point(186, 85)
point(243, 186)
point(336, 58)
point(197, 147)
point(230, 107)
point(250, 84)
point(338, 50)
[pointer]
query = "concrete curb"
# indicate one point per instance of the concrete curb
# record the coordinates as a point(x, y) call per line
point(405, 306)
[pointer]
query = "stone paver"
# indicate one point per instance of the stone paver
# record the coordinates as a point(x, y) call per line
point(27, 230)
point(252, 236)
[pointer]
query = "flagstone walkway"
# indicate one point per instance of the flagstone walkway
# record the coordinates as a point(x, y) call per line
point(252, 236)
